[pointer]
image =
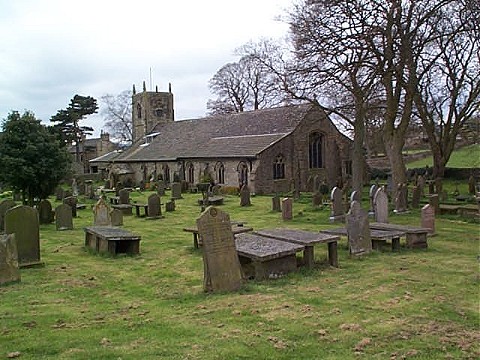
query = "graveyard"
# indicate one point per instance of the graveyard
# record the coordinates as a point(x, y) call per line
point(407, 302)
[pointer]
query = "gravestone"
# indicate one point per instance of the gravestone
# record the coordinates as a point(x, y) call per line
point(276, 204)
point(428, 218)
point(337, 208)
point(222, 271)
point(154, 207)
point(176, 191)
point(421, 184)
point(471, 185)
point(170, 206)
point(74, 188)
point(4, 206)
point(9, 271)
point(358, 230)
point(116, 216)
point(401, 198)
point(317, 199)
point(371, 194)
point(72, 202)
point(380, 203)
point(415, 197)
point(124, 196)
point(22, 221)
point(245, 196)
point(287, 209)
point(63, 217)
point(45, 213)
point(101, 214)
point(160, 188)
point(59, 193)
point(355, 196)
point(434, 200)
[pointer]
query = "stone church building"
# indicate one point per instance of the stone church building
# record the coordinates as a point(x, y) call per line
point(270, 150)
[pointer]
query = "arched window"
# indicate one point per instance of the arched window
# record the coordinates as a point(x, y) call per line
point(242, 174)
point(220, 172)
point(166, 173)
point(315, 150)
point(278, 168)
point(139, 111)
point(190, 173)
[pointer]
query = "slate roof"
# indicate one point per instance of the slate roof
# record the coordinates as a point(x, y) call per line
point(108, 157)
point(243, 134)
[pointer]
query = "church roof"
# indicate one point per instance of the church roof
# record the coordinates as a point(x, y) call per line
point(244, 134)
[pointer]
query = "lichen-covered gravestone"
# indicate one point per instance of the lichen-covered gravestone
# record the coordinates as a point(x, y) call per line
point(45, 213)
point(154, 207)
point(245, 196)
point(176, 191)
point(4, 206)
point(222, 271)
point(9, 271)
point(72, 202)
point(101, 214)
point(22, 221)
point(63, 217)
point(358, 230)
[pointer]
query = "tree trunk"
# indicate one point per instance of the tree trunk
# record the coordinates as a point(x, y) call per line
point(358, 158)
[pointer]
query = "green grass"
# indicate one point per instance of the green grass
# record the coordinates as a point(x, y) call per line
point(465, 157)
point(419, 304)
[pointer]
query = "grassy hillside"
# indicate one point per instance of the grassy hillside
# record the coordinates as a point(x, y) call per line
point(419, 304)
point(465, 157)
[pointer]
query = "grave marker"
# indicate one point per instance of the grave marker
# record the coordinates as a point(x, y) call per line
point(276, 204)
point(124, 196)
point(287, 209)
point(337, 208)
point(380, 202)
point(222, 271)
point(9, 271)
point(101, 214)
point(63, 217)
point(116, 217)
point(428, 218)
point(45, 213)
point(358, 230)
point(176, 191)
point(154, 207)
point(72, 202)
point(4, 206)
point(245, 196)
point(22, 221)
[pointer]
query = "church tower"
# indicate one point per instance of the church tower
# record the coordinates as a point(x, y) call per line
point(150, 109)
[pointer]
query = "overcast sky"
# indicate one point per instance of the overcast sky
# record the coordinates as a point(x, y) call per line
point(51, 50)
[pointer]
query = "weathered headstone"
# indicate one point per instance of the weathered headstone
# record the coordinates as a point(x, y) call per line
point(401, 199)
point(380, 202)
point(23, 222)
point(45, 213)
point(337, 208)
point(59, 193)
point(4, 206)
point(160, 188)
point(72, 202)
point(176, 191)
point(358, 230)
point(276, 204)
point(428, 218)
point(287, 209)
point(434, 200)
point(355, 196)
point(471, 185)
point(170, 206)
point(101, 214)
point(74, 188)
point(63, 217)
point(222, 271)
point(421, 184)
point(371, 194)
point(154, 207)
point(116, 217)
point(124, 196)
point(415, 197)
point(317, 199)
point(9, 271)
point(245, 196)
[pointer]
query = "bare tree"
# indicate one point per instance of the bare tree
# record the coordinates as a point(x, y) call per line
point(118, 115)
point(244, 85)
point(448, 81)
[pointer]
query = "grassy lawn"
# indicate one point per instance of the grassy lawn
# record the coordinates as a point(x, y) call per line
point(466, 157)
point(419, 304)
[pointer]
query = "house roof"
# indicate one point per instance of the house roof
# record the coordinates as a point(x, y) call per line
point(244, 134)
point(106, 158)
